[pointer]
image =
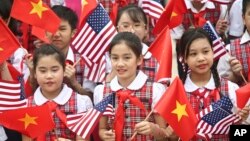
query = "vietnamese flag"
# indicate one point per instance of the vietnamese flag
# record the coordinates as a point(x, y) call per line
point(113, 13)
point(39, 33)
point(175, 108)
point(171, 16)
point(36, 13)
point(242, 96)
point(8, 42)
point(87, 7)
point(31, 121)
point(161, 49)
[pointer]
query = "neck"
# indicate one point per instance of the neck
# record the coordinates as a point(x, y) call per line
point(200, 79)
point(51, 95)
point(198, 5)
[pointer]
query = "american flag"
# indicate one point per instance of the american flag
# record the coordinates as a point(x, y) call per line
point(10, 95)
point(153, 8)
point(83, 124)
point(218, 44)
point(97, 71)
point(218, 120)
point(94, 35)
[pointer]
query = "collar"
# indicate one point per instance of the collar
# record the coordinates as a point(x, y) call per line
point(70, 55)
point(144, 50)
point(245, 38)
point(61, 99)
point(137, 83)
point(191, 87)
point(207, 5)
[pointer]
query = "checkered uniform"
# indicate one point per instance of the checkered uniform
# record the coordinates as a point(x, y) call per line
point(195, 102)
point(80, 67)
point(211, 14)
point(242, 53)
point(61, 130)
point(149, 67)
point(134, 114)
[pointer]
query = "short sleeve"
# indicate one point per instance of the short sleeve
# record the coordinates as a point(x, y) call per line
point(98, 93)
point(158, 91)
point(83, 103)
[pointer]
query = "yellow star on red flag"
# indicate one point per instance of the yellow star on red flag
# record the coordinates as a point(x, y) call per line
point(180, 110)
point(38, 8)
point(28, 120)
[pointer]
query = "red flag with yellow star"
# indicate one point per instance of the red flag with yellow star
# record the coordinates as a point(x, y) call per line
point(35, 12)
point(175, 108)
point(87, 7)
point(8, 42)
point(31, 121)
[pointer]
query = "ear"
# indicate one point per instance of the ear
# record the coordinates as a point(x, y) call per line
point(73, 33)
point(139, 60)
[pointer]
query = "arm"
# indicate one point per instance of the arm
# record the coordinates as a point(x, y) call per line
point(5, 73)
point(104, 133)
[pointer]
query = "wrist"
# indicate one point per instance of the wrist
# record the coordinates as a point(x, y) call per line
point(158, 132)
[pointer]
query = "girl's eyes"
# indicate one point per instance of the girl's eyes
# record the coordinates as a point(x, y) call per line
point(192, 54)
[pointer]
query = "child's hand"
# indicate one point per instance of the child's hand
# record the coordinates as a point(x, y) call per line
point(145, 128)
point(244, 113)
point(221, 26)
point(235, 65)
point(37, 43)
point(108, 135)
point(69, 74)
point(29, 61)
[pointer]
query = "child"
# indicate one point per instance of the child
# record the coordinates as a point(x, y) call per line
point(240, 52)
point(132, 19)
point(51, 88)
point(200, 78)
point(133, 90)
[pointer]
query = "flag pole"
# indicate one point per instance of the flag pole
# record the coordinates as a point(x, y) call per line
point(76, 62)
point(135, 133)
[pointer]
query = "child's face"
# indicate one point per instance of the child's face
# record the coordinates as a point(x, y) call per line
point(126, 24)
point(124, 62)
point(49, 75)
point(246, 18)
point(200, 57)
point(61, 39)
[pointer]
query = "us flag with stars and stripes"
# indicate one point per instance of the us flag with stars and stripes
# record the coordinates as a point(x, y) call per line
point(10, 92)
point(83, 124)
point(218, 120)
point(97, 71)
point(218, 44)
point(94, 36)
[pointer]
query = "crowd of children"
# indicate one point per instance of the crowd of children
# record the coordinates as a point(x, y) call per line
point(55, 72)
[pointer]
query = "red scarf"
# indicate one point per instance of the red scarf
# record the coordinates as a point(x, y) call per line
point(199, 20)
point(122, 96)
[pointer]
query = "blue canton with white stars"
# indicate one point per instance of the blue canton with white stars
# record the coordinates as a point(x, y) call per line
point(225, 103)
point(210, 32)
point(101, 107)
point(22, 93)
point(98, 19)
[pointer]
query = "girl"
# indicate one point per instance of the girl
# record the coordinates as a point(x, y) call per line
point(135, 96)
point(132, 19)
point(199, 75)
point(49, 67)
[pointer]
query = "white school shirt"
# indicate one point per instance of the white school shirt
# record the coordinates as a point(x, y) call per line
point(232, 87)
point(223, 66)
point(3, 135)
point(87, 84)
point(83, 102)
point(177, 32)
point(236, 25)
point(138, 83)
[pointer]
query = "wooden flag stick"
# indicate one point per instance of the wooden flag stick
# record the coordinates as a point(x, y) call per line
point(76, 62)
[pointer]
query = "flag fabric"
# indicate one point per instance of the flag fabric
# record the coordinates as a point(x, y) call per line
point(243, 96)
point(175, 108)
point(94, 35)
point(28, 121)
point(8, 42)
point(10, 96)
point(84, 123)
point(218, 44)
point(171, 16)
point(39, 33)
point(218, 119)
point(97, 71)
point(152, 8)
point(36, 13)
point(161, 49)
point(114, 12)
point(87, 7)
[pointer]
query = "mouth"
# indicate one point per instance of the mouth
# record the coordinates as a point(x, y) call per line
point(121, 71)
point(202, 66)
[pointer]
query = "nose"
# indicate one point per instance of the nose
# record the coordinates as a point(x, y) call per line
point(49, 74)
point(120, 63)
point(200, 57)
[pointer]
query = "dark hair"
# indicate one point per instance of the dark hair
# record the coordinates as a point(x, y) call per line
point(135, 13)
point(5, 8)
point(245, 4)
point(130, 39)
point(183, 49)
point(46, 50)
point(66, 14)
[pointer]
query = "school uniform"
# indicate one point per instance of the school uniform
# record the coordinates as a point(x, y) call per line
point(68, 102)
point(142, 88)
point(236, 25)
point(3, 135)
point(202, 97)
point(213, 12)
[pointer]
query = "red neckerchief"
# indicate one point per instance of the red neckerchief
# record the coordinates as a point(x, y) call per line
point(122, 96)
point(122, 3)
point(199, 20)
point(213, 94)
